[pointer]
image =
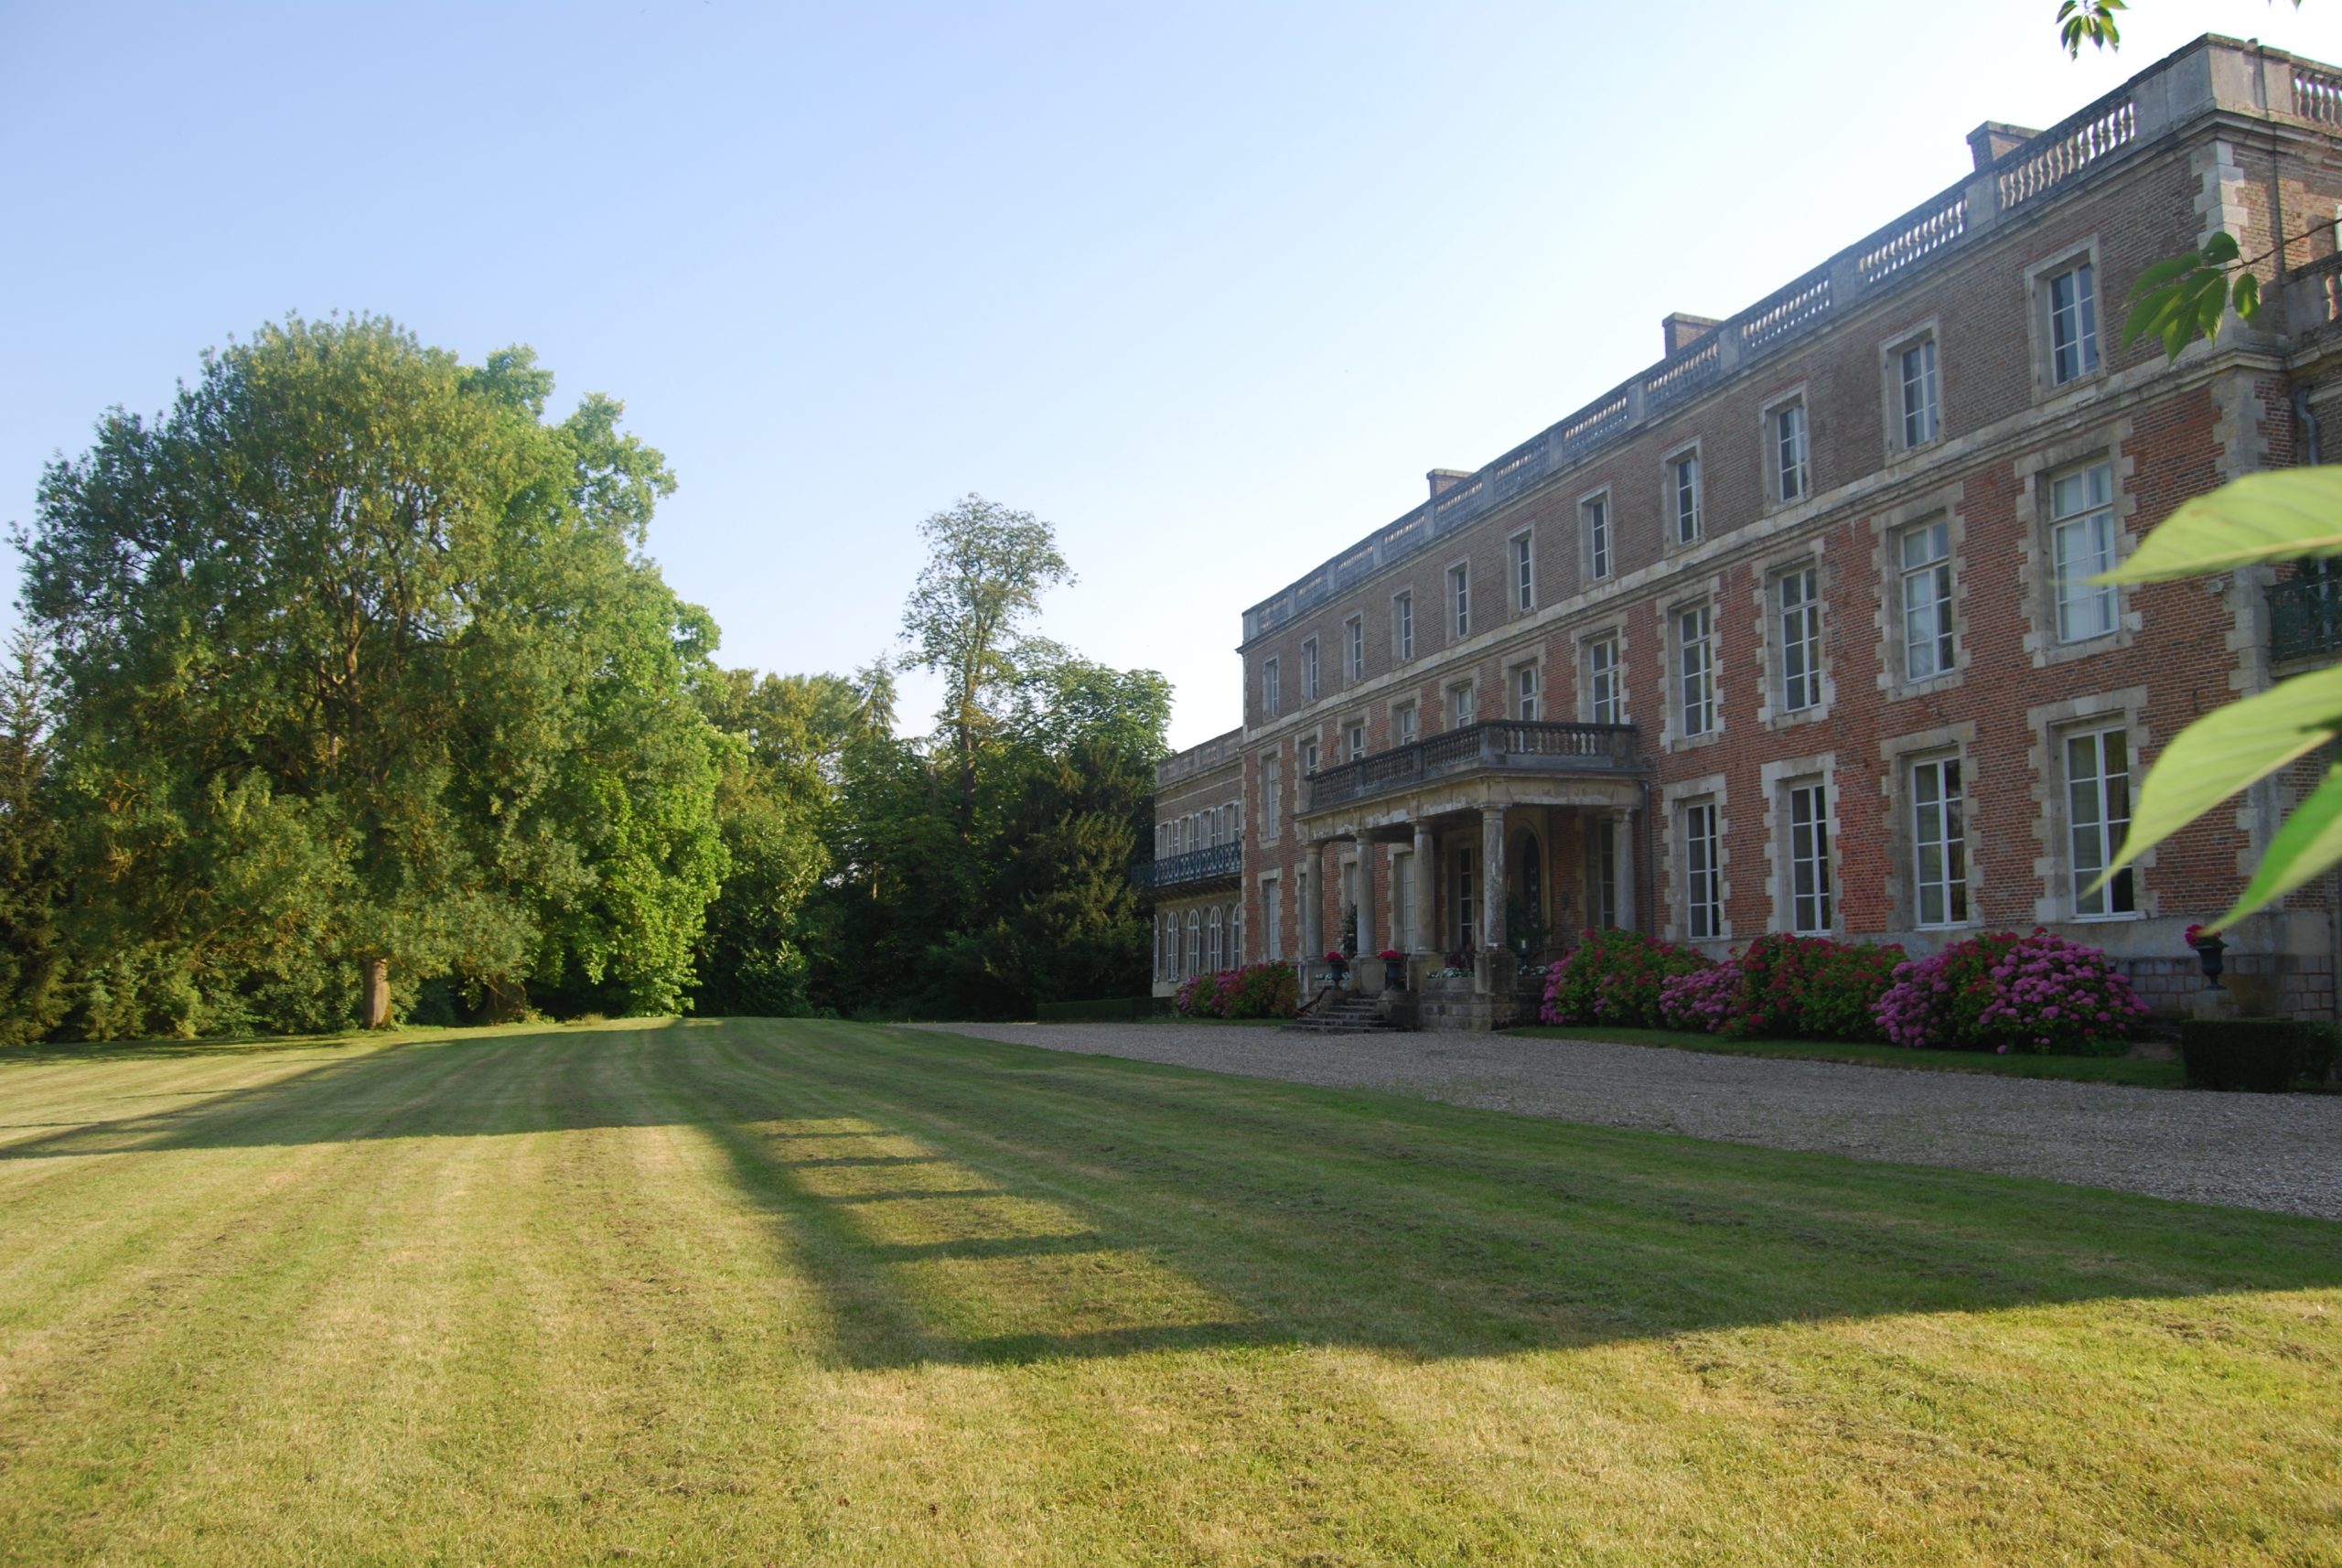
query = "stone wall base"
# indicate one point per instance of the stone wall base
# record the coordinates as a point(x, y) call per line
point(1458, 1006)
point(2258, 985)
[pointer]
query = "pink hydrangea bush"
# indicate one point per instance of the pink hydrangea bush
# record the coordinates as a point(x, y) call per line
point(1785, 987)
point(1614, 977)
point(1199, 996)
point(1711, 1000)
point(2062, 997)
point(2000, 991)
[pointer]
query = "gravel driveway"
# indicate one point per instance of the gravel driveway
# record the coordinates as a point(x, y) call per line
point(2257, 1150)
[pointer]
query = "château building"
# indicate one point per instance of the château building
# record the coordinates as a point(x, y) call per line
point(1795, 630)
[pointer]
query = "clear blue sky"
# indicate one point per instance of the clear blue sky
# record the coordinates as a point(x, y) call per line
point(1207, 287)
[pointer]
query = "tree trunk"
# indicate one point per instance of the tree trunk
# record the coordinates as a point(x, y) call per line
point(507, 1002)
point(374, 1012)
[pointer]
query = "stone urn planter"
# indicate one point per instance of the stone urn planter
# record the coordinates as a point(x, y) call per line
point(2208, 952)
point(1394, 969)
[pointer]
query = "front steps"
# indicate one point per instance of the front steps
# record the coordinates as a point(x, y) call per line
point(1343, 1013)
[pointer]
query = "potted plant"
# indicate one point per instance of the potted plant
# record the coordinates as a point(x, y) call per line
point(1340, 967)
point(1394, 969)
point(2208, 947)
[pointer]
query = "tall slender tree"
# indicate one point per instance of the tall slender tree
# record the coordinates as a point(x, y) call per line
point(987, 567)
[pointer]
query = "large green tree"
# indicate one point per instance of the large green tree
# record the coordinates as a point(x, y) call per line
point(32, 866)
point(789, 736)
point(362, 679)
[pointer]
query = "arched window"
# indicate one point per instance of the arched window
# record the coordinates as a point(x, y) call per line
point(1211, 943)
point(1236, 936)
point(1195, 941)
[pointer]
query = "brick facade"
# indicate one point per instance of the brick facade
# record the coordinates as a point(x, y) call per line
point(1942, 402)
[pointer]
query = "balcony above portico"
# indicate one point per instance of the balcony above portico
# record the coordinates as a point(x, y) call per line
point(1504, 762)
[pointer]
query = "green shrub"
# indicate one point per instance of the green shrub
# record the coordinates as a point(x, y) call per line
point(2262, 1054)
point(1263, 990)
point(1270, 990)
point(1810, 988)
point(1614, 977)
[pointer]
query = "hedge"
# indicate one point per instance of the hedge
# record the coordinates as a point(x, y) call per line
point(2262, 1054)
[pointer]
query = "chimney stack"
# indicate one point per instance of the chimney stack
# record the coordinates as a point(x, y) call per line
point(1682, 331)
point(1445, 479)
point(1989, 141)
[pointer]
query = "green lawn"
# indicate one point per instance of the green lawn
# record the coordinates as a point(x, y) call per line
point(810, 1292)
point(2079, 1069)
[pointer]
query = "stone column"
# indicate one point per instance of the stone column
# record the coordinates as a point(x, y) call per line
point(1313, 902)
point(1492, 876)
point(1425, 909)
point(1366, 946)
point(1622, 860)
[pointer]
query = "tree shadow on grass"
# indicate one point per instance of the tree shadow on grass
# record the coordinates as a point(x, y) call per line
point(1235, 1213)
point(451, 1085)
point(968, 1202)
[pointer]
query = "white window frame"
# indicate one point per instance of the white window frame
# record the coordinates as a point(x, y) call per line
point(1459, 600)
point(1926, 584)
point(1271, 699)
point(1606, 685)
point(1789, 451)
point(1309, 687)
point(1354, 740)
point(1702, 870)
point(2097, 817)
point(1272, 915)
point(1593, 522)
point(1195, 944)
point(1215, 959)
point(2080, 610)
point(1685, 500)
point(1463, 704)
point(1521, 562)
point(1939, 797)
point(1918, 406)
point(1305, 754)
point(2069, 343)
point(1272, 786)
point(1527, 692)
point(1695, 668)
point(1805, 817)
point(1799, 624)
point(1403, 626)
point(1353, 646)
point(1406, 726)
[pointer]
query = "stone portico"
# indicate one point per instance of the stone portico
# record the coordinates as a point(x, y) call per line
point(1472, 851)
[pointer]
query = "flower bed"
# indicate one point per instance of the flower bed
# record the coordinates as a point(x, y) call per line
point(1255, 990)
point(2000, 991)
point(1614, 977)
point(1785, 987)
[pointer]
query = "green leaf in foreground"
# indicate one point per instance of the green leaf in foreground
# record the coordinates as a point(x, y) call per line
point(2280, 515)
point(2309, 843)
point(2227, 749)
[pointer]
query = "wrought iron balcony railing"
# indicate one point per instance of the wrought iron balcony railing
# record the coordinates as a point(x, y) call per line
point(2306, 618)
point(1515, 745)
point(1224, 861)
